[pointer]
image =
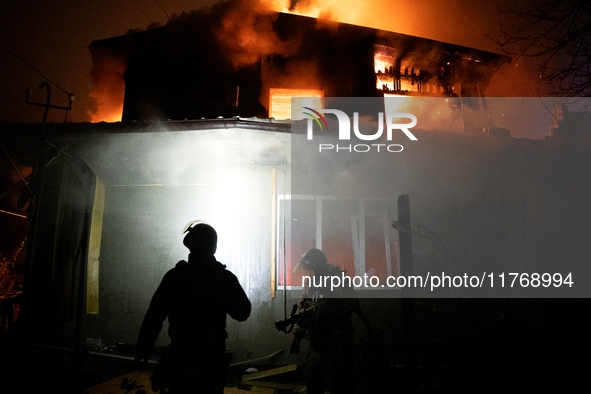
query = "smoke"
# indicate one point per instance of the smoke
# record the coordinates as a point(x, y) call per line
point(461, 22)
point(242, 35)
point(516, 80)
point(108, 86)
point(246, 31)
point(327, 10)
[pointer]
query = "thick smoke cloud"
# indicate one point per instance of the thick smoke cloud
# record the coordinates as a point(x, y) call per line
point(243, 39)
point(108, 86)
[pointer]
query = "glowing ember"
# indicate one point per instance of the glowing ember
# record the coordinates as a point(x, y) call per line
point(408, 86)
point(389, 78)
point(385, 83)
point(383, 63)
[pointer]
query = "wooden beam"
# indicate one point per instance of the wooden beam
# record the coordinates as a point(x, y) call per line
point(270, 372)
point(94, 249)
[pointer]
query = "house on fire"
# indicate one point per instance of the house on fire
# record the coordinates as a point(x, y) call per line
point(199, 66)
point(201, 137)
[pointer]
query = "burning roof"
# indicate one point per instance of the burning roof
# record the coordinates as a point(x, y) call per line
point(232, 62)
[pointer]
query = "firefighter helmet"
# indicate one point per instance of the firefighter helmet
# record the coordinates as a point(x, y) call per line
point(313, 260)
point(201, 238)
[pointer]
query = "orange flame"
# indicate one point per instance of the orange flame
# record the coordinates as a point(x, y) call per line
point(108, 86)
point(384, 15)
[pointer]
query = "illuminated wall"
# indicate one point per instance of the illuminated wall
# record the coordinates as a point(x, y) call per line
point(154, 182)
point(231, 173)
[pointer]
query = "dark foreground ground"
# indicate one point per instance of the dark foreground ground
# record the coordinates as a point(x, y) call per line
point(546, 348)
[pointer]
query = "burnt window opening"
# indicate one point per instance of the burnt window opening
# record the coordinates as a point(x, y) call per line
point(280, 101)
point(414, 74)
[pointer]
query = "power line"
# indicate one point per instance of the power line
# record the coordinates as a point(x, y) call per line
point(143, 12)
point(165, 13)
point(16, 168)
point(34, 68)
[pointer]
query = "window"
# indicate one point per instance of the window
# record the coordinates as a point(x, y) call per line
point(280, 101)
point(355, 235)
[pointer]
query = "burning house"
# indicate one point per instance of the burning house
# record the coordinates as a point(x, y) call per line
point(201, 102)
point(210, 65)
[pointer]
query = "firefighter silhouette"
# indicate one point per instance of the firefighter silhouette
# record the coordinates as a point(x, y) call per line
point(195, 296)
point(327, 326)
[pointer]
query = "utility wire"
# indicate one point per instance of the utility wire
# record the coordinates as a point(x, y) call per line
point(165, 13)
point(16, 168)
point(143, 12)
point(34, 68)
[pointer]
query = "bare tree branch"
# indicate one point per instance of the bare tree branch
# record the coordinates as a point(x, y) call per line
point(558, 34)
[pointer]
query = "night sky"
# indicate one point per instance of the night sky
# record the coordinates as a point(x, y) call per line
point(54, 38)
